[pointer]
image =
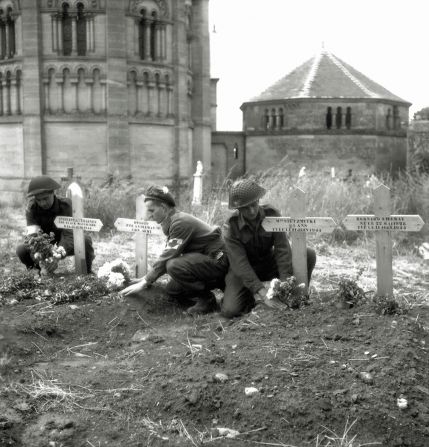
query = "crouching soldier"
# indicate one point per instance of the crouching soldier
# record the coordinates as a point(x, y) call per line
point(193, 256)
point(42, 209)
point(255, 255)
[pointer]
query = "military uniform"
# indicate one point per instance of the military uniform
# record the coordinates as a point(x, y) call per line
point(193, 257)
point(254, 254)
point(39, 219)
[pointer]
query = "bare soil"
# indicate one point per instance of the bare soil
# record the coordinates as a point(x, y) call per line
point(140, 372)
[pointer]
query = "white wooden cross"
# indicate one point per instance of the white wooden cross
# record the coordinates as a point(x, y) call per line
point(297, 226)
point(143, 228)
point(78, 223)
point(383, 223)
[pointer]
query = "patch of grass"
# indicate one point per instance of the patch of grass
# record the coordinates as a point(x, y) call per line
point(329, 438)
point(389, 305)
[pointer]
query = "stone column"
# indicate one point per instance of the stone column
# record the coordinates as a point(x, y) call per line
point(33, 139)
point(74, 35)
point(118, 139)
point(201, 101)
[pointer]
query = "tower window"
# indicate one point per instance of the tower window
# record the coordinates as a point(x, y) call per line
point(329, 118)
point(339, 118)
point(396, 119)
point(281, 118)
point(267, 119)
point(67, 31)
point(81, 30)
point(348, 117)
point(389, 119)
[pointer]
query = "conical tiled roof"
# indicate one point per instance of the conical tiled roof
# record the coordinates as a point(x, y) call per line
point(325, 76)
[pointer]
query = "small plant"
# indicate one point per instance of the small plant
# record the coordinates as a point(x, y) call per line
point(389, 305)
point(56, 291)
point(349, 293)
point(288, 292)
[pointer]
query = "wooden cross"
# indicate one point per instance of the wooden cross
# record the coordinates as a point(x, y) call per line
point(297, 226)
point(383, 223)
point(143, 228)
point(78, 223)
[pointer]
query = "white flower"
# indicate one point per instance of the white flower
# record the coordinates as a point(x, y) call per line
point(164, 189)
point(274, 285)
point(104, 270)
point(115, 280)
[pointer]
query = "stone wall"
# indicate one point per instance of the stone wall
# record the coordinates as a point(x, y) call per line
point(418, 145)
point(344, 152)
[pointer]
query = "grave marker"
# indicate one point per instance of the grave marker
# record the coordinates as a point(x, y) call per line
point(78, 223)
point(142, 228)
point(298, 225)
point(383, 223)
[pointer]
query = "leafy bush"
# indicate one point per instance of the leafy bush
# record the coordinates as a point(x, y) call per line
point(349, 293)
point(54, 290)
point(388, 305)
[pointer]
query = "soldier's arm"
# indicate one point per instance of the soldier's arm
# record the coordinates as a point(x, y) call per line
point(178, 238)
point(239, 262)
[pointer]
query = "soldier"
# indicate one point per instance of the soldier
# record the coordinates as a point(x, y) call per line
point(193, 256)
point(255, 255)
point(42, 209)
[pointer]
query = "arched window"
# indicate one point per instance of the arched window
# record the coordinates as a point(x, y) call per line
point(81, 30)
point(10, 33)
point(267, 119)
point(339, 118)
point(142, 25)
point(348, 117)
point(329, 118)
point(396, 119)
point(2, 35)
point(153, 42)
point(273, 119)
point(67, 31)
point(389, 119)
point(281, 118)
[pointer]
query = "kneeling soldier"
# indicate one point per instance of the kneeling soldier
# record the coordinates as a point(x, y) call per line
point(193, 256)
point(255, 255)
point(42, 209)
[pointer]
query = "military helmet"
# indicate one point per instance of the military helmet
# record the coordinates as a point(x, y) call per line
point(244, 192)
point(159, 193)
point(41, 183)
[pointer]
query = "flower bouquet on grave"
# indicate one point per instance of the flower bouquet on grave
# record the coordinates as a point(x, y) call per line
point(116, 273)
point(288, 292)
point(44, 252)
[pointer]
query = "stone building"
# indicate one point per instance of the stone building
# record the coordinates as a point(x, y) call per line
point(418, 142)
point(103, 86)
point(324, 113)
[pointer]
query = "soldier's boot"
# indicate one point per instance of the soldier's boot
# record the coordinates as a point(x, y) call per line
point(204, 304)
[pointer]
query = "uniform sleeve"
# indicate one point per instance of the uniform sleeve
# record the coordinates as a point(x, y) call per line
point(179, 236)
point(282, 252)
point(66, 239)
point(33, 226)
point(239, 262)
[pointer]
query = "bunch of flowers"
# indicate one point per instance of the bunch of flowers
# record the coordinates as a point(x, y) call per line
point(116, 273)
point(43, 250)
point(288, 292)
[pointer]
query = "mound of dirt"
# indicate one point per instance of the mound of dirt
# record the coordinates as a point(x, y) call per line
point(139, 371)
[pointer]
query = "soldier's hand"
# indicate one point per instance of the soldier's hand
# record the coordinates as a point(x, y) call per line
point(261, 297)
point(135, 288)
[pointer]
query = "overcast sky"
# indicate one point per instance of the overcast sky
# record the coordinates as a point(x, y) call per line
point(254, 43)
